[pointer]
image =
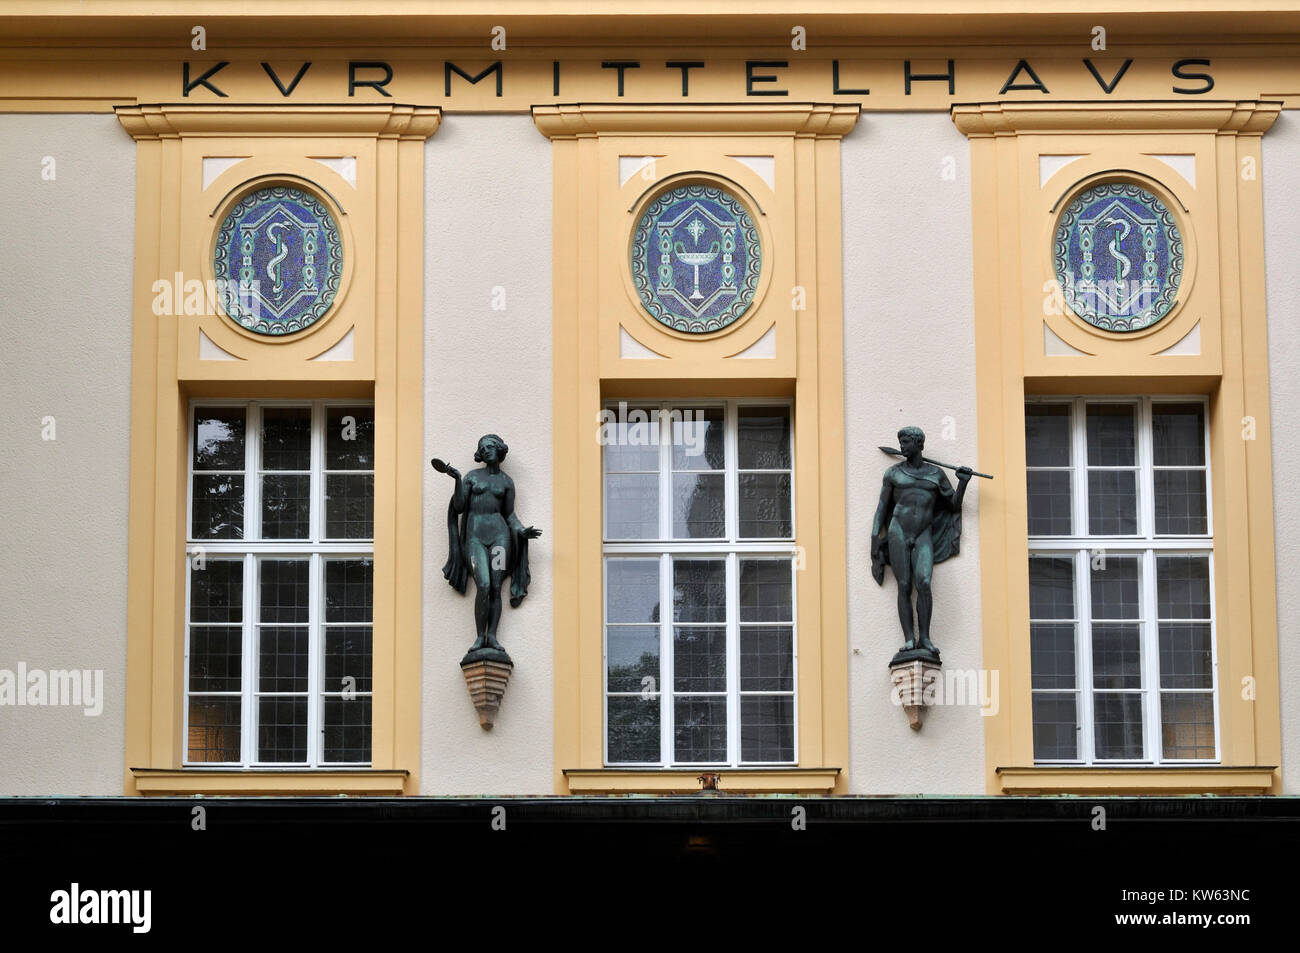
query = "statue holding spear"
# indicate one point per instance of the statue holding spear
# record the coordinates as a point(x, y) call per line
point(917, 524)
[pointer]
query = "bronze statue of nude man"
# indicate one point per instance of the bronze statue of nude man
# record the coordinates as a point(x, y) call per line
point(917, 524)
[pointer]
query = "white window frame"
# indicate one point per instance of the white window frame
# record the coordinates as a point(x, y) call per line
point(1081, 547)
point(732, 548)
point(252, 550)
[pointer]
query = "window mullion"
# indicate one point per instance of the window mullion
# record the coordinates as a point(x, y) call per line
point(732, 659)
point(252, 473)
point(1079, 464)
point(1151, 660)
point(315, 703)
point(316, 498)
point(1083, 652)
point(1146, 470)
point(248, 708)
point(731, 463)
point(666, 753)
point(665, 430)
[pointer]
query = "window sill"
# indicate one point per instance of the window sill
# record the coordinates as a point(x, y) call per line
point(683, 781)
point(1155, 780)
point(168, 782)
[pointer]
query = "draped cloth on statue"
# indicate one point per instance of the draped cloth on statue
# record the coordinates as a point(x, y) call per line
point(456, 569)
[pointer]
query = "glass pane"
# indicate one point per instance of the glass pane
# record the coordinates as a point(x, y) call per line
point(700, 729)
point(1111, 440)
point(1186, 660)
point(282, 659)
point(284, 590)
point(286, 438)
point(632, 655)
point(349, 653)
point(630, 436)
point(213, 733)
point(697, 436)
point(1187, 724)
point(219, 438)
point(282, 729)
point(1056, 737)
point(1051, 587)
point(1051, 653)
point(286, 502)
point(1118, 724)
point(1112, 502)
point(217, 591)
point(346, 728)
point(1116, 656)
point(1115, 590)
point(763, 438)
point(350, 438)
point(698, 506)
point(633, 728)
point(1178, 435)
point(1049, 502)
point(765, 591)
point(1047, 435)
point(216, 658)
point(699, 590)
point(1183, 587)
point(765, 506)
point(217, 506)
point(631, 506)
point(632, 593)
point(349, 506)
point(766, 658)
point(1180, 503)
point(767, 728)
point(349, 590)
point(699, 658)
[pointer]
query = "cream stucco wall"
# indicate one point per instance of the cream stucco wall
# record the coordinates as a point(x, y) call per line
point(66, 259)
point(909, 359)
point(1281, 181)
point(487, 235)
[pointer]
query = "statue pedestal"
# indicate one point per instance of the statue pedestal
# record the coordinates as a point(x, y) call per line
point(486, 681)
point(914, 686)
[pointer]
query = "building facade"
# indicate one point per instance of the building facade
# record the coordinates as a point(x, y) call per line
point(259, 270)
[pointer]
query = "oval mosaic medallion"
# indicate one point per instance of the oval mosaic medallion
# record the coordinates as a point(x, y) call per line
point(278, 261)
point(696, 259)
point(1119, 257)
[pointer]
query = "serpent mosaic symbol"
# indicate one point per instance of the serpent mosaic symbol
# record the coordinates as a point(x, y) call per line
point(1118, 257)
point(696, 259)
point(278, 260)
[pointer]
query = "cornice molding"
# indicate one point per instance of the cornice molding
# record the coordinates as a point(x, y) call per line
point(174, 120)
point(1223, 117)
point(805, 120)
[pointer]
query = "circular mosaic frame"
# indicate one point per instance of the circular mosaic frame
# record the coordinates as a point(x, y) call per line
point(1081, 295)
point(232, 273)
point(644, 272)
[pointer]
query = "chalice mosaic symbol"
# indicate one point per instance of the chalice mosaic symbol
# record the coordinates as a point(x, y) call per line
point(696, 258)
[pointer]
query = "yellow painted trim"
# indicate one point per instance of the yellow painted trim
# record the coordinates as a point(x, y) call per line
point(156, 782)
point(618, 781)
point(384, 231)
point(1012, 218)
point(1155, 781)
point(802, 236)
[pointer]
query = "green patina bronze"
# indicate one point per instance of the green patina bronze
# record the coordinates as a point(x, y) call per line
point(485, 539)
point(917, 524)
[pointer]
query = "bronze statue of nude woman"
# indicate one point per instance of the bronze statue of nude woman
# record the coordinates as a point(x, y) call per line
point(486, 539)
